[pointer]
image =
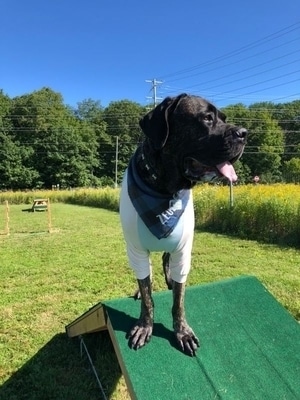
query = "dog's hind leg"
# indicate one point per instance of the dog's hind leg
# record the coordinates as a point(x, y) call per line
point(166, 268)
point(141, 332)
point(184, 334)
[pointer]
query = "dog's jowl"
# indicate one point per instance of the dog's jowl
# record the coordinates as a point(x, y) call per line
point(187, 140)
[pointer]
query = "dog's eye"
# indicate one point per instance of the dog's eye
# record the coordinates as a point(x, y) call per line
point(208, 118)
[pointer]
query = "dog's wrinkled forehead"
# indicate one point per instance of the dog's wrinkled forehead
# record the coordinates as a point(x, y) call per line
point(195, 105)
point(155, 124)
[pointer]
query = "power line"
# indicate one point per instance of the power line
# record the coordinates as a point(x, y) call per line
point(240, 50)
point(234, 57)
point(269, 87)
point(248, 76)
point(242, 60)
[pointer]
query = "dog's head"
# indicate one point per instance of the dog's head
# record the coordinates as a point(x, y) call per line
point(192, 140)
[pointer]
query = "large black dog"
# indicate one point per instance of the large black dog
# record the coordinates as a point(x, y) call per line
point(187, 140)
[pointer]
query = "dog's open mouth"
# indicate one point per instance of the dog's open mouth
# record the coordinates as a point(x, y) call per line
point(196, 171)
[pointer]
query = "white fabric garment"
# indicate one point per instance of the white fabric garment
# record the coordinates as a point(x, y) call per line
point(140, 241)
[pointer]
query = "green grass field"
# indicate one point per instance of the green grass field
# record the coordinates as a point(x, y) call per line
point(49, 279)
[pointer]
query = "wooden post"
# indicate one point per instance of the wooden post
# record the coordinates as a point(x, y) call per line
point(49, 217)
point(6, 232)
point(231, 194)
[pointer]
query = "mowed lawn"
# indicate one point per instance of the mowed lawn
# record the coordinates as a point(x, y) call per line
point(49, 279)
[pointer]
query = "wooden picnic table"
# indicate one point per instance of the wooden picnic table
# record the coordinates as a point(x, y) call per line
point(40, 205)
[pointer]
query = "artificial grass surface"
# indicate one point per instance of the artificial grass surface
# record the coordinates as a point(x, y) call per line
point(250, 345)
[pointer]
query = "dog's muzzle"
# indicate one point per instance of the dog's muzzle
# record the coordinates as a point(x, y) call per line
point(195, 170)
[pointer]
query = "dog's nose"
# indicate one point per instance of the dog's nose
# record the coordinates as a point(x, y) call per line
point(241, 133)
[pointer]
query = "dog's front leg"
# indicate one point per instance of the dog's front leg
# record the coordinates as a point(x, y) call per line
point(185, 336)
point(141, 332)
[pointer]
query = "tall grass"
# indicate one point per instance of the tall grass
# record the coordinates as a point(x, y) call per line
point(106, 198)
point(267, 213)
point(270, 213)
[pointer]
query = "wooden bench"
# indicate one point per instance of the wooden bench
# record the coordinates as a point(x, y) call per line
point(40, 205)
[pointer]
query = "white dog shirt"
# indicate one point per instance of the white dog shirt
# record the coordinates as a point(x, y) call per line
point(140, 241)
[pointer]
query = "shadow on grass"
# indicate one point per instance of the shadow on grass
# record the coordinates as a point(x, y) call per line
point(58, 371)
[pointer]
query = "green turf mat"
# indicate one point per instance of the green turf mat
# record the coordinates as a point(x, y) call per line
point(250, 345)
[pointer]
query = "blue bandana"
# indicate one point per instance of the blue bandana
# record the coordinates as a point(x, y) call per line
point(159, 212)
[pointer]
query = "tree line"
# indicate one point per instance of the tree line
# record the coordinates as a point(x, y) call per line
point(44, 142)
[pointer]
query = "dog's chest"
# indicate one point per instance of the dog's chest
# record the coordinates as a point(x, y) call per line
point(136, 231)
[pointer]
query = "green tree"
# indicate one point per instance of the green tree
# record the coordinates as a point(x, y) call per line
point(91, 113)
point(13, 174)
point(122, 119)
point(5, 103)
point(62, 148)
point(291, 170)
point(89, 110)
point(288, 116)
point(265, 144)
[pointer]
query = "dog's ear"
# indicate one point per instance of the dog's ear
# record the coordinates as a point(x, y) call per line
point(155, 124)
point(222, 116)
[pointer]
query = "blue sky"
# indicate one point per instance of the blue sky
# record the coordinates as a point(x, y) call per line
point(228, 52)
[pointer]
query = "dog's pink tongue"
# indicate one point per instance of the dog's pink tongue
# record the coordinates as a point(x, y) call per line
point(228, 171)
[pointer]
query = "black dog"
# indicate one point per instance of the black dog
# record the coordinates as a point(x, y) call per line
point(187, 140)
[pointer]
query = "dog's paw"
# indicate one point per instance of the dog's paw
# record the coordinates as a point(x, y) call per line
point(139, 335)
point(188, 341)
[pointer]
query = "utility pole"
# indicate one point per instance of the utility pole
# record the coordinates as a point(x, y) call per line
point(154, 97)
point(116, 162)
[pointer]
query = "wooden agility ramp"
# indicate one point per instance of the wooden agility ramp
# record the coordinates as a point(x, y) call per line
point(250, 345)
